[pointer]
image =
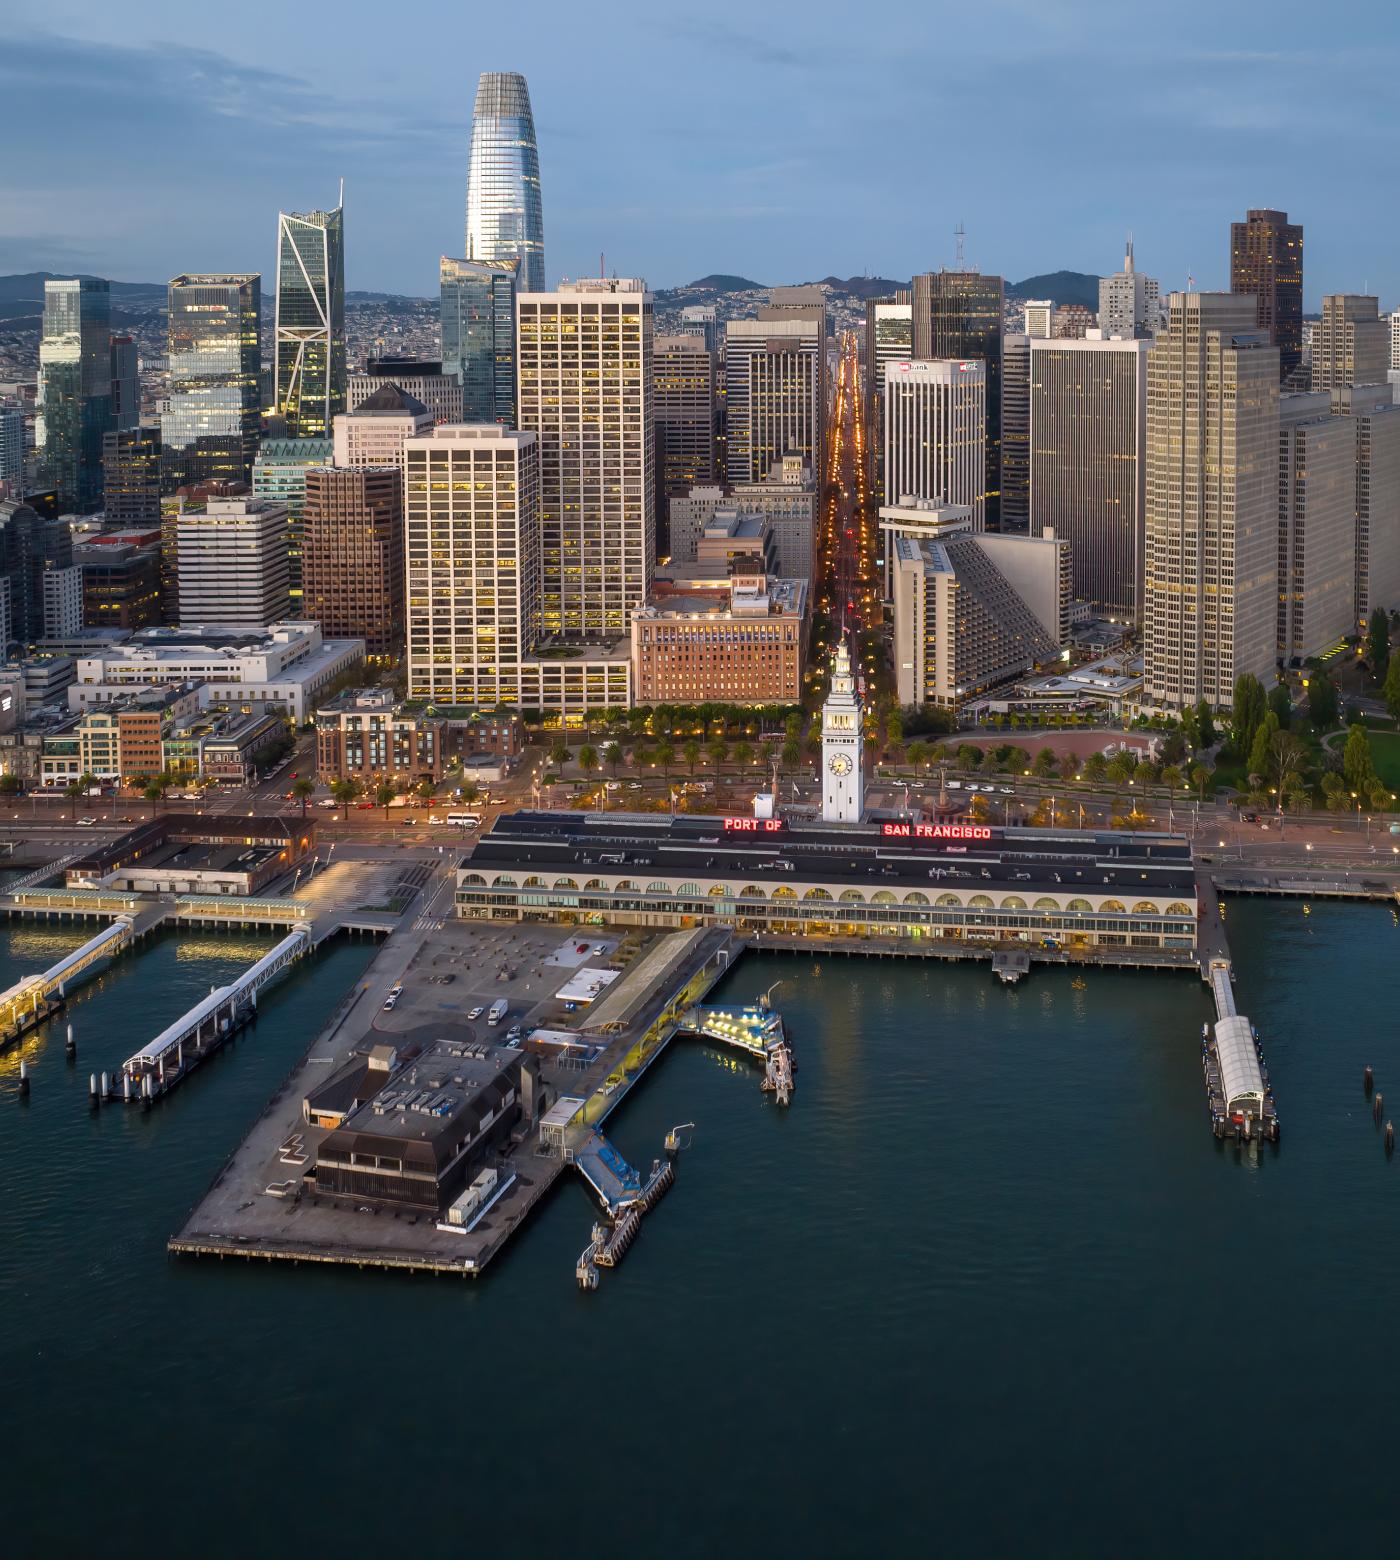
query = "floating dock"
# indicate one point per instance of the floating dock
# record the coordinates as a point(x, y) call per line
point(757, 1031)
point(1237, 1081)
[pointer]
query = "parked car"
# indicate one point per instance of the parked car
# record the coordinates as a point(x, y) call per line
point(476, 1012)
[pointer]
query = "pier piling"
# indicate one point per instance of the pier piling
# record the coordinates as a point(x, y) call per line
point(1377, 1106)
point(23, 1080)
point(1368, 1080)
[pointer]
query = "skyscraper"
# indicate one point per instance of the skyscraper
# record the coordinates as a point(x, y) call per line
point(505, 219)
point(37, 557)
point(131, 462)
point(75, 388)
point(126, 383)
point(210, 432)
point(310, 333)
point(1349, 344)
point(1210, 586)
point(1088, 431)
point(232, 563)
point(586, 392)
point(11, 450)
point(958, 314)
point(1377, 506)
point(352, 559)
point(375, 433)
point(1316, 526)
point(1016, 433)
point(477, 321)
point(774, 390)
point(1266, 259)
point(935, 432)
point(1129, 302)
point(685, 416)
point(279, 475)
point(889, 338)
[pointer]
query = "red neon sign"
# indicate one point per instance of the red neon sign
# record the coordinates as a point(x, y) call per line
point(754, 825)
point(936, 831)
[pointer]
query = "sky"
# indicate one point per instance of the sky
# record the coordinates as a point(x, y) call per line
point(784, 142)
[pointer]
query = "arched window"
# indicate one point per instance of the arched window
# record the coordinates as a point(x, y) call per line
point(1079, 904)
point(784, 893)
point(882, 896)
point(1111, 907)
point(565, 883)
point(473, 880)
point(658, 888)
point(816, 893)
point(1013, 902)
point(979, 902)
point(626, 886)
point(688, 891)
point(752, 891)
point(852, 896)
point(533, 882)
point(948, 901)
point(915, 898)
point(1177, 908)
point(595, 885)
point(1144, 907)
point(504, 881)
point(719, 890)
point(1046, 904)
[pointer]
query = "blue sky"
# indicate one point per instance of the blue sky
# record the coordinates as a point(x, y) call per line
point(782, 142)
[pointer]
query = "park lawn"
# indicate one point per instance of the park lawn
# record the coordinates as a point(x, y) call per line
point(1385, 752)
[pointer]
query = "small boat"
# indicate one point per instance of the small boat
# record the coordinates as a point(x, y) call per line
point(1079, 983)
point(1307, 909)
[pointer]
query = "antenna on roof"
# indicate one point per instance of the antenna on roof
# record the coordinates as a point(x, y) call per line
point(602, 266)
point(340, 206)
point(1128, 257)
point(959, 235)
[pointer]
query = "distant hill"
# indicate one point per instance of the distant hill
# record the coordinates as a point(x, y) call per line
point(22, 296)
point(864, 286)
point(723, 284)
point(355, 299)
point(1060, 286)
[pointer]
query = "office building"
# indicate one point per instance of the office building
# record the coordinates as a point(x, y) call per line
point(505, 217)
point(33, 547)
point(960, 627)
point(1088, 432)
point(1394, 322)
point(473, 539)
point(1316, 526)
point(374, 434)
point(586, 392)
point(733, 640)
point(1016, 434)
point(1130, 304)
point(685, 416)
point(1377, 420)
point(702, 320)
point(477, 328)
point(352, 566)
point(1073, 321)
point(367, 734)
point(75, 389)
point(131, 476)
point(120, 581)
point(211, 427)
point(1210, 568)
point(423, 379)
point(232, 569)
point(919, 519)
point(788, 503)
point(1038, 318)
point(889, 338)
point(126, 382)
point(1266, 260)
point(959, 314)
point(279, 475)
point(11, 451)
point(775, 384)
point(61, 592)
point(935, 432)
point(1350, 344)
point(309, 339)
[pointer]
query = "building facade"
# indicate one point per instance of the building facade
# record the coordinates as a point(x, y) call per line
point(352, 566)
point(1016, 434)
point(790, 507)
point(279, 475)
point(774, 392)
point(1350, 345)
point(1317, 526)
point(843, 745)
point(375, 432)
point(505, 212)
point(1266, 260)
point(889, 338)
point(309, 335)
point(935, 433)
point(685, 415)
point(1377, 421)
point(1088, 437)
point(233, 570)
point(477, 329)
point(1210, 573)
point(131, 476)
point(75, 388)
point(211, 428)
point(420, 378)
point(1130, 304)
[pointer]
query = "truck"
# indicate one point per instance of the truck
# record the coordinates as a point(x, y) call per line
point(499, 1008)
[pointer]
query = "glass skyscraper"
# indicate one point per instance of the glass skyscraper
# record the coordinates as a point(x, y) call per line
point(75, 388)
point(478, 336)
point(504, 215)
point(310, 336)
point(211, 429)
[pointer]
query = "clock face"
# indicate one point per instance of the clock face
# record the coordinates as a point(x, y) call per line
point(840, 764)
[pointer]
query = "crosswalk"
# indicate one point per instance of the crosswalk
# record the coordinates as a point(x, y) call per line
point(428, 923)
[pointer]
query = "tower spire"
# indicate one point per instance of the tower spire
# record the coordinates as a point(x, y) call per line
point(1128, 256)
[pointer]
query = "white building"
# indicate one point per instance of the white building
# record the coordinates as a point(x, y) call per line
point(788, 500)
point(775, 393)
point(843, 746)
point(1130, 304)
point(374, 432)
point(286, 665)
point(232, 564)
point(1038, 315)
point(936, 432)
point(922, 519)
point(63, 601)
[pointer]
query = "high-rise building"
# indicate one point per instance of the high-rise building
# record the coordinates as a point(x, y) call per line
point(374, 434)
point(210, 431)
point(75, 388)
point(352, 565)
point(586, 392)
point(787, 504)
point(33, 547)
point(935, 433)
point(477, 311)
point(702, 319)
point(958, 314)
point(918, 519)
point(279, 476)
point(232, 564)
point(505, 217)
point(11, 450)
point(309, 340)
point(1130, 303)
point(1316, 526)
point(684, 416)
point(1210, 576)
point(421, 378)
point(774, 391)
point(1377, 420)
point(1266, 259)
point(121, 581)
point(889, 338)
point(1349, 345)
point(1016, 434)
point(126, 383)
point(131, 465)
point(1394, 320)
point(1038, 318)
point(1088, 431)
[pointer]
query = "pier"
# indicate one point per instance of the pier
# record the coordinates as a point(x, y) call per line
point(757, 1031)
point(1237, 1081)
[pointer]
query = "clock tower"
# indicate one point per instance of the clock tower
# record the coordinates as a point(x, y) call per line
point(843, 747)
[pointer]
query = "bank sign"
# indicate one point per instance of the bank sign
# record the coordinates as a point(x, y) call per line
point(936, 831)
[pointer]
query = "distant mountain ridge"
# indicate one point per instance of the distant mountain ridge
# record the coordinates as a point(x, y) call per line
point(1061, 287)
point(719, 283)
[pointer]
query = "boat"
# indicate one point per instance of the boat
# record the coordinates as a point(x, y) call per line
point(1079, 983)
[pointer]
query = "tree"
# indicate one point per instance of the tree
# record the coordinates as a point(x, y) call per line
point(1391, 689)
point(1322, 701)
point(1378, 643)
point(894, 727)
point(743, 753)
point(1261, 746)
point(612, 756)
point(1045, 765)
point(559, 752)
point(384, 794)
point(1205, 724)
point(426, 788)
point(691, 753)
point(1281, 705)
point(917, 753)
point(665, 756)
point(792, 754)
point(981, 809)
point(792, 726)
point(1248, 712)
point(10, 785)
point(303, 789)
point(1357, 764)
point(719, 751)
point(1199, 775)
point(1171, 776)
point(1094, 768)
point(1069, 765)
point(588, 758)
point(1286, 758)
point(1120, 770)
point(470, 792)
point(345, 792)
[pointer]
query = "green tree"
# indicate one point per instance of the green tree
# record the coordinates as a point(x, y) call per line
point(1261, 746)
point(1357, 764)
point(719, 752)
point(612, 756)
point(691, 753)
point(665, 755)
point(1095, 767)
point(792, 726)
point(1120, 770)
point(792, 754)
point(1171, 776)
point(1045, 765)
point(303, 789)
point(1281, 704)
point(383, 795)
point(10, 785)
point(1391, 690)
point(470, 792)
point(345, 792)
point(1378, 643)
point(559, 752)
point(743, 753)
point(1069, 765)
point(1205, 724)
point(1286, 758)
point(917, 754)
point(1199, 775)
point(894, 727)
point(1322, 701)
point(588, 758)
point(1247, 712)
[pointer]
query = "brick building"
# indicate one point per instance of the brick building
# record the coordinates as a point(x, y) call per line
point(352, 564)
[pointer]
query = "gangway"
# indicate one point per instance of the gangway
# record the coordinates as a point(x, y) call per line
point(33, 998)
point(1237, 1081)
point(177, 1050)
point(603, 1167)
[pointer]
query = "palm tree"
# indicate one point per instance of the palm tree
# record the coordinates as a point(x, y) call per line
point(719, 751)
point(384, 794)
point(613, 755)
point(303, 789)
point(665, 755)
point(691, 753)
point(588, 758)
point(743, 754)
point(345, 792)
point(792, 754)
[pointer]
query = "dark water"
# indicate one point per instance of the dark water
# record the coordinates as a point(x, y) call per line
point(988, 1286)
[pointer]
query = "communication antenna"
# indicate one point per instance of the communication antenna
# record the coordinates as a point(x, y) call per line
point(341, 205)
point(959, 236)
point(602, 268)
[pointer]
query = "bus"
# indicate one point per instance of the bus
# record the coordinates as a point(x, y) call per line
point(464, 820)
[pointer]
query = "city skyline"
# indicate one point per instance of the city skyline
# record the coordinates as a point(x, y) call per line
point(1217, 131)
